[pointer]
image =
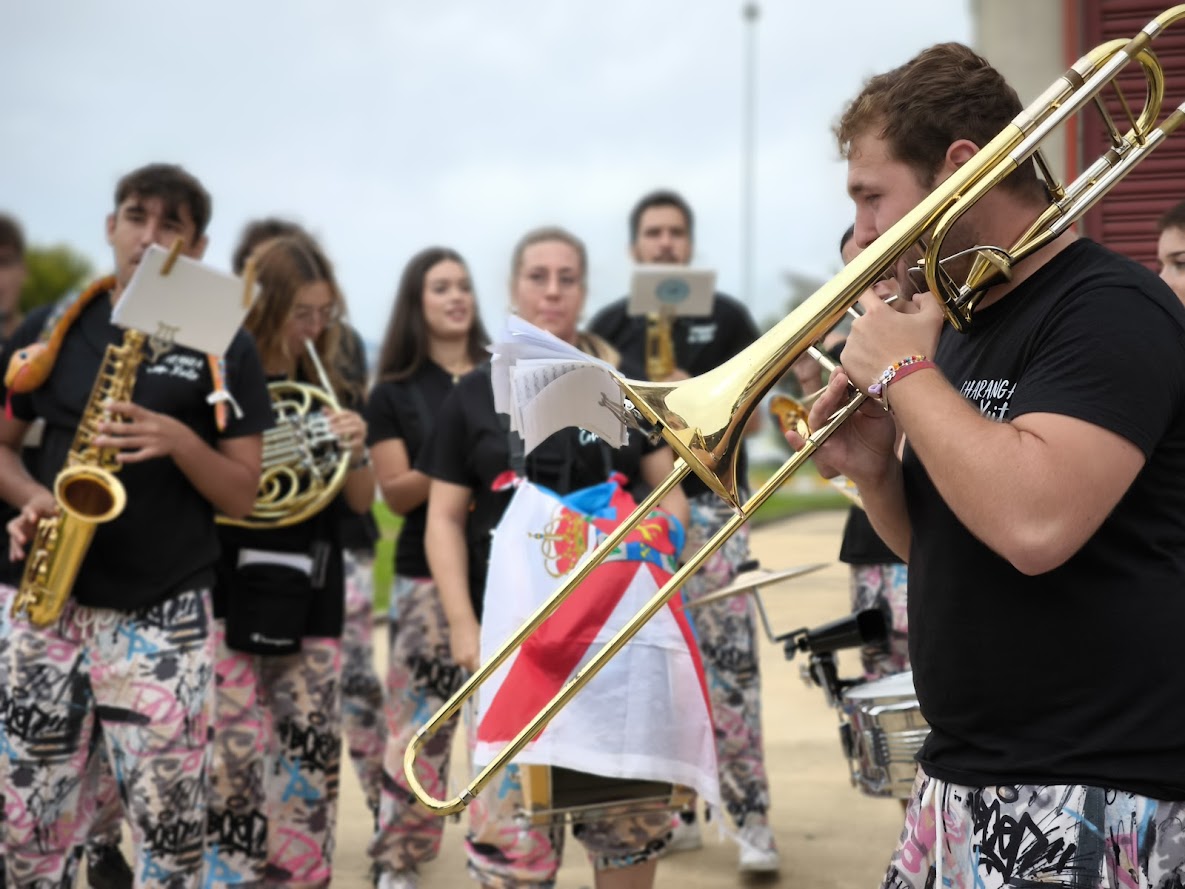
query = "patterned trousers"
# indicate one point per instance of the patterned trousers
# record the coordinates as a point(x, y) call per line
point(275, 769)
point(506, 854)
point(136, 683)
point(363, 723)
point(1029, 835)
point(421, 676)
point(726, 634)
point(884, 588)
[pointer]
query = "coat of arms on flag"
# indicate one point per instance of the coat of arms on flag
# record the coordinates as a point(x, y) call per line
point(645, 715)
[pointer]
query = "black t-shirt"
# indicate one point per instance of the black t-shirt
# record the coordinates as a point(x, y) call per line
point(358, 531)
point(1075, 675)
point(321, 537)
point(406, 410)
point(164, 541)
point(469, 446)
point(10, 572)
point(861, 544)
point(701, 344)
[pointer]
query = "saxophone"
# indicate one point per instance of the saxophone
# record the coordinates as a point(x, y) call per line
point(86, 490)
point(660, 346)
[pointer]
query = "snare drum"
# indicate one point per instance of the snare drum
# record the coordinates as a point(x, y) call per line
point(552, 793)
point(882, 731)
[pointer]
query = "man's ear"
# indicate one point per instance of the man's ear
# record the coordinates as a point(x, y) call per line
point(959, 152)
point(111, 229)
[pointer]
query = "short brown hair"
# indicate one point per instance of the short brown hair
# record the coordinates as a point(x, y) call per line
point(1174, 217)
point(174, 186)
point(946, 93)
point(11, 235)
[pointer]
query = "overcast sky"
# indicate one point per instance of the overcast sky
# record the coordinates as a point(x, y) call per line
point(388, 125)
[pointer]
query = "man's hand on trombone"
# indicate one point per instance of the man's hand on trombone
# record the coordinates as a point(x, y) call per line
point(888, 331)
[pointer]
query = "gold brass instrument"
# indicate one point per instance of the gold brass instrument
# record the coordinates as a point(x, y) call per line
point(703, 419)
point(304, 464)
point(660, 346)
point(86, 490)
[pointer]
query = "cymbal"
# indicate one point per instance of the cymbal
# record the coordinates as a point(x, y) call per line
point(751, 580)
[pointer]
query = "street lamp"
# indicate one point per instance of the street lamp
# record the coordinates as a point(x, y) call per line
point(750, 12)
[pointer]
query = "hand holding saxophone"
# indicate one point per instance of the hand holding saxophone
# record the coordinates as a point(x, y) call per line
point(140, 434)
point(23, 528)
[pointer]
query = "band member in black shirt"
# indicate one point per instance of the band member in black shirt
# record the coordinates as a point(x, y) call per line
point(435, 336)
point(128, 663)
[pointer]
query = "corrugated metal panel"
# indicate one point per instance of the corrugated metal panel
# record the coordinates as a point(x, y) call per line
point(1125, 220)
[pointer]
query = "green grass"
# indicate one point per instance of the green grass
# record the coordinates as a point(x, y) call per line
point(781, 505)
point(384, 554)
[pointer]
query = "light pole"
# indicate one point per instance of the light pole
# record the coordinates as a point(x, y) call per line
point(750, 12)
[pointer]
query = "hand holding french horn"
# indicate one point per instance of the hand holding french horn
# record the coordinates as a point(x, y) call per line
point(350, 429)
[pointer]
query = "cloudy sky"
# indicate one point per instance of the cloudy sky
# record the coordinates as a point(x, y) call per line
point(389, 125)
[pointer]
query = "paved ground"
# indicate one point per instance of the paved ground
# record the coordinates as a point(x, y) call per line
point(830, 835)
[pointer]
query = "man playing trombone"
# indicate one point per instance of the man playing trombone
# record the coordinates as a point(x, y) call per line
point(1039, 504)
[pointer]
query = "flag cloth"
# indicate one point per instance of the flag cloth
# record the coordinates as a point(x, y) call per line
point(646, 714)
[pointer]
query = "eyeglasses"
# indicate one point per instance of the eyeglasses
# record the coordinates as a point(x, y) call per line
point(541, 278)
point(307, 314)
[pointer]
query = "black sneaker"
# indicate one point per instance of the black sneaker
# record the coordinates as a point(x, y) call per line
point(106, 868)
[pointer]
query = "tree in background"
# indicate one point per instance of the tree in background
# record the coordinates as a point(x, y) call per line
point(52, 273)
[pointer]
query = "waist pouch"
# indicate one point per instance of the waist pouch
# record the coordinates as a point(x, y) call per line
point(271, 594)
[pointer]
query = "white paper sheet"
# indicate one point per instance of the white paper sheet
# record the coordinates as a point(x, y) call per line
point(545, 385)
point(195, 305)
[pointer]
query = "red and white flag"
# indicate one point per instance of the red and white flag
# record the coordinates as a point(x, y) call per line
point(646, 714)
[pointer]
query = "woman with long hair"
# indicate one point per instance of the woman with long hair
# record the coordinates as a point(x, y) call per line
point(280, 596)
point(468, 459)
point(433, 338)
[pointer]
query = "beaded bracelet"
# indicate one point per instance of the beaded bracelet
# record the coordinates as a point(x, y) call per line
point(896, 369)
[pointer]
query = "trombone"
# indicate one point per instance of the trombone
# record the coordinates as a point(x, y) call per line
point(703, 419)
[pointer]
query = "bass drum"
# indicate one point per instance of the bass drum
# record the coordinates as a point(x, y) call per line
point(882, 730)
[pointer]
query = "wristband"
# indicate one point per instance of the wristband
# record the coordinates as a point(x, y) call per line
point(362, 462)
point(893, 371)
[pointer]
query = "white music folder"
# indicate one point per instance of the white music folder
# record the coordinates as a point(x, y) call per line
point(671, 290)
point(193, 304)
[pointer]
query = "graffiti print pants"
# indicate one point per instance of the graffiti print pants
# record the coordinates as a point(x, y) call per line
point(505, 853)
point(883, 587)
point(136, 683)
point(277, 755)
point(1037, 835)
point(421, 676)
point(725, 631)
point(363, 723)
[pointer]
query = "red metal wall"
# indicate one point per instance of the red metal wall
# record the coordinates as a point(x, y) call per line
point(1125, 220)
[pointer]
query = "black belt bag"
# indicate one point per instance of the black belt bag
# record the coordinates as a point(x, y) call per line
point(271, 595)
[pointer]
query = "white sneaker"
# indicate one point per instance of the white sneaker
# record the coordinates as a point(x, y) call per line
point(759, 852)
point(685, 836)
point(398, 879)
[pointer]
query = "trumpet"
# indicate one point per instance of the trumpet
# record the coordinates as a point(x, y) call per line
point(703, 419)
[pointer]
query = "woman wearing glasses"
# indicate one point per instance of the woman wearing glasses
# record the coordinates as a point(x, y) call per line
point(470, 463)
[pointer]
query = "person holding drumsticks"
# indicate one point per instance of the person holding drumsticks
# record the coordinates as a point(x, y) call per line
point(1040, 506)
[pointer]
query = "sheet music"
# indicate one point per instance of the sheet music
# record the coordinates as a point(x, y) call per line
point(545, 385)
